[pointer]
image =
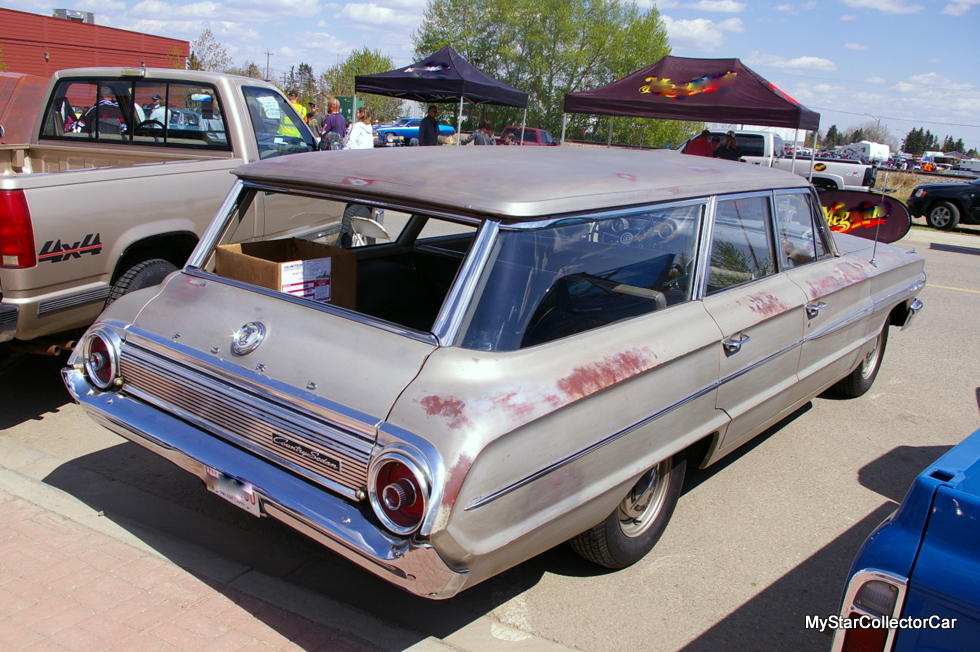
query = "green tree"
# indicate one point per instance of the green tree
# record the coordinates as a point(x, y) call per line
point(914, 142)
point(949, 144)
point(958, 146)
point(548, 48)
point(309, 90)
point(208, 54)
point(338, 81)
point(832, 139)
point(249, 69)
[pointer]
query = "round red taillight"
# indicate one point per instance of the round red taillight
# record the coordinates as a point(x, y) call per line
point(101, 354)
point(399, 491)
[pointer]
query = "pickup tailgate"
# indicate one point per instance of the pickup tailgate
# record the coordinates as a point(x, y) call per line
point(945, 580)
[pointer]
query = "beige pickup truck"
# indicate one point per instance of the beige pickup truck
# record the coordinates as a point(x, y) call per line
point(124, 170)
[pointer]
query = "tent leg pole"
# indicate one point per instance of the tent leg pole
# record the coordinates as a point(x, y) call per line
point(523, 125)
point(813, 158)
point(796, 138)
point(564, 123)
point(459, 122)
point(609, 140)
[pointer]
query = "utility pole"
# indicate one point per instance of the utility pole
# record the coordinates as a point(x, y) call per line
point(267, 55)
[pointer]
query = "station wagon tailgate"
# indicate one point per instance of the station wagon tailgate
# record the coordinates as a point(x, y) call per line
point(298, 400)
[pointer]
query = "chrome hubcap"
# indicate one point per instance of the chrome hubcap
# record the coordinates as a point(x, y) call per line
point(871, 360)
point(645, 500)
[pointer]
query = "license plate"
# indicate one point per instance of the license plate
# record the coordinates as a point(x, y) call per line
point(237, 493)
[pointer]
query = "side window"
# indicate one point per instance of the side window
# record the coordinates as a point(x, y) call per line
point(91, 110)
point(278, 130)
point(740, 243)
point(800, 237)
point(155, 113)
point(549, 283)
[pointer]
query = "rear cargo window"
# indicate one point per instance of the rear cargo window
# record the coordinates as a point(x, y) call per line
point(150, 113)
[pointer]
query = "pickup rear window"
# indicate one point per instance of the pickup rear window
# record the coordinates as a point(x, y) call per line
point(154, 113)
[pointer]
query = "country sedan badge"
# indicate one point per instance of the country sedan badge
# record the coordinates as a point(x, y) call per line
point(248, 338)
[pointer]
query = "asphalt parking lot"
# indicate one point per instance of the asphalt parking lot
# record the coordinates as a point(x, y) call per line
point(758, 541)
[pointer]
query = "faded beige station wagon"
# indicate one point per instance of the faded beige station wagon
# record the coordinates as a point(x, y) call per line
point(544, 343)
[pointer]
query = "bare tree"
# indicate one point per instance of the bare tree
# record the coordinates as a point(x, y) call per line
point(208, 54)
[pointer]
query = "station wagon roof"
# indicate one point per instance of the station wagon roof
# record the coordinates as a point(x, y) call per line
point(513, 182)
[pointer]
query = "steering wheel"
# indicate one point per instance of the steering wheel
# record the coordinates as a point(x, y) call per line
point(150, 123)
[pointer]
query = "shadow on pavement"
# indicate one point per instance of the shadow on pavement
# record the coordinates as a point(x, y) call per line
point(168, 509)
point(892, 474)
point(30, 386)
point(775, 618)
point(956, 249)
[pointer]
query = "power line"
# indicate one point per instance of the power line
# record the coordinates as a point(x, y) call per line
point(885, 117)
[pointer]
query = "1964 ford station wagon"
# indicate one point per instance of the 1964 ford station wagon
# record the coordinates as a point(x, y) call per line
point(545, 343)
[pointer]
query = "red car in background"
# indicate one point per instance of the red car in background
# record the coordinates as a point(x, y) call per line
point(531, 136)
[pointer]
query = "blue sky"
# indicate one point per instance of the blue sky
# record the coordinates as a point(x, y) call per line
point(907, 63)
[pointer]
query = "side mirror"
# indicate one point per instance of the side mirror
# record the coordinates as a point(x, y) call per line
point(868, 215)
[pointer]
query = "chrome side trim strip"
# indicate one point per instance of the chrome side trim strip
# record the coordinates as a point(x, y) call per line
point(72, 300)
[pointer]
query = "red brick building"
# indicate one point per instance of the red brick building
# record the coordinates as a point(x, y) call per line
point(39, 45)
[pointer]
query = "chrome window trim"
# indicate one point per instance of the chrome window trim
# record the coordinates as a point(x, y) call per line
point(450, 317)
point(593, 216)
point(214, 230)
point(858, 580)
point(704, 251)
point(483, 500)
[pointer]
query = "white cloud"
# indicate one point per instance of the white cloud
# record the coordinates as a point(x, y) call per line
point(885, 6)
point(660, 4)
point(877, 81)
point(790, 65)
point(856, 46)
point(167, 11)
point(721, 6)
point(277, 7)
point(700, 33)
point(848, 17)
point(789, 8)
point(368, 14)
point(959, 8)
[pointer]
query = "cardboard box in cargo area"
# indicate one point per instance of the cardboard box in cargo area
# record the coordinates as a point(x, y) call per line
point(298, 267)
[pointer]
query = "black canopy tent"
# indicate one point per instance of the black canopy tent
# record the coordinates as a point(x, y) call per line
point(441, 78)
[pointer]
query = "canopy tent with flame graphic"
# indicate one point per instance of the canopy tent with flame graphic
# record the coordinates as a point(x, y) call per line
point(705, 90)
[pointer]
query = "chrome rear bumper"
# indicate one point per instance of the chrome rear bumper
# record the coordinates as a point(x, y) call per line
point(328, 519)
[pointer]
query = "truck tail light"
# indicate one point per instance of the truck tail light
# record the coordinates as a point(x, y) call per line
point(865, 640)
point(399, 492)
point(16, 231)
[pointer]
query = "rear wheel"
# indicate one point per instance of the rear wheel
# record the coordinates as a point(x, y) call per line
point(631, 531)
point(943, 215)
point(859, 381)
point(144, 274)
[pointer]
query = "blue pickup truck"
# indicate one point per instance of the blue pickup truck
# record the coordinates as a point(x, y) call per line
point(915, 583)
point(404, 130)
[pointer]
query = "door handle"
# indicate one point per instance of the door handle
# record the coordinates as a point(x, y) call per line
point(813, 309)
point(733, 345)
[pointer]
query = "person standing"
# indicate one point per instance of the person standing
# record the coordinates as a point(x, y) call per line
point(730, 149)
point(315, 119)
point(482, 136)
point(360, 136)
point(429, 128)
point(334, 126)
point(294, 101)
point(700, 146)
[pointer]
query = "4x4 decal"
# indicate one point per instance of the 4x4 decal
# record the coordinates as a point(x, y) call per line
point(57, 252)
